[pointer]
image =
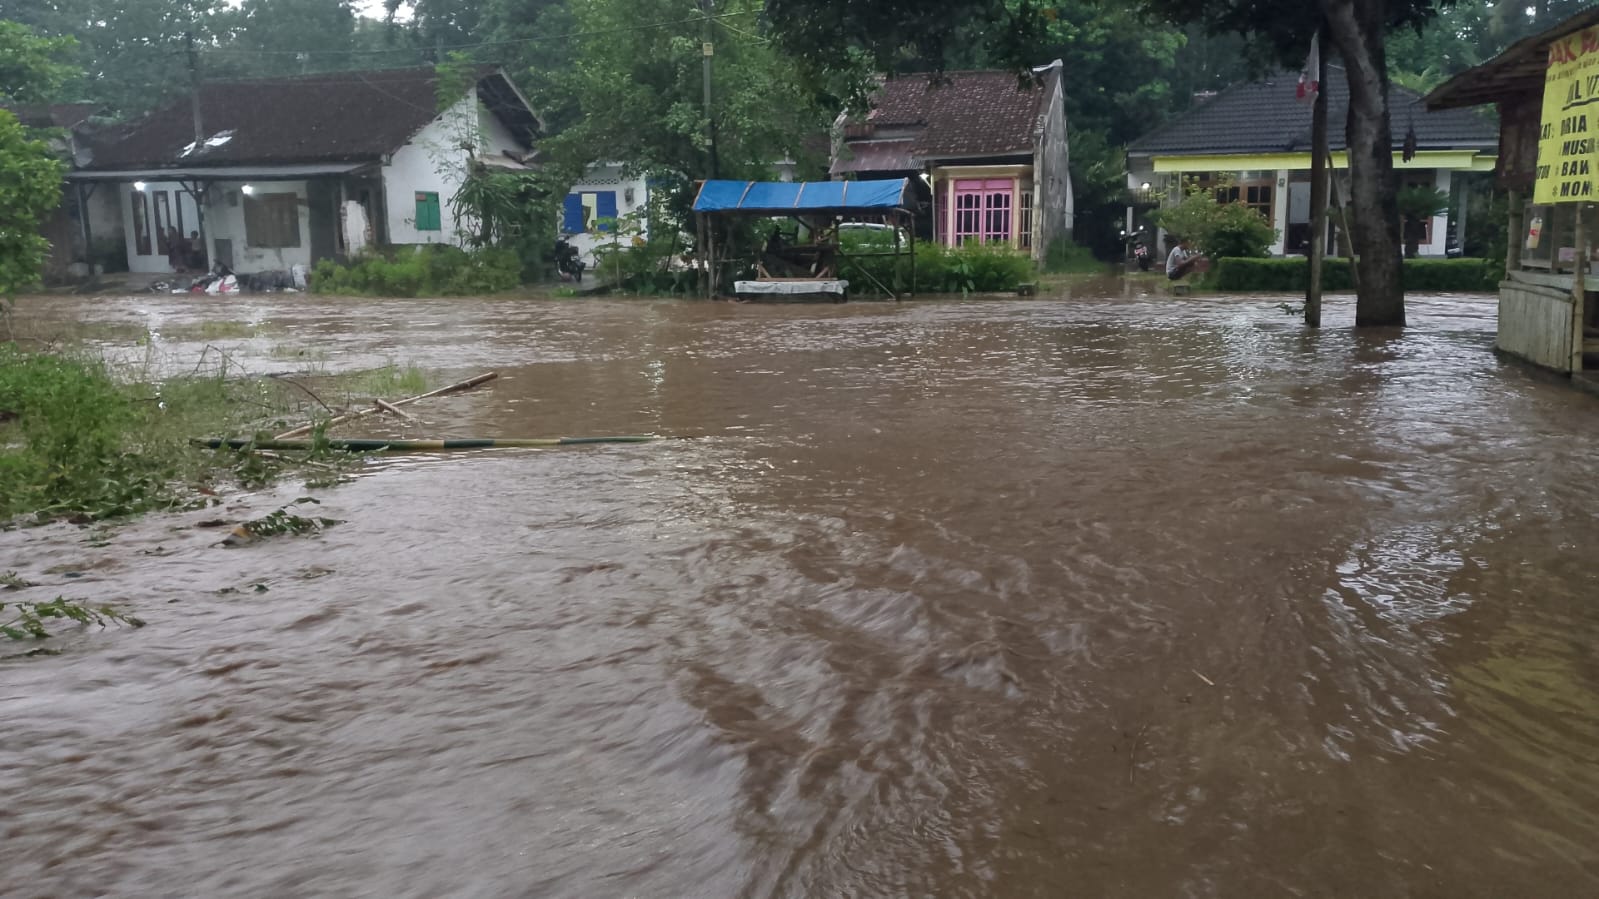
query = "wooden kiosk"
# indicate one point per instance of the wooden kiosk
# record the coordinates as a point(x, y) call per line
point(817, 269)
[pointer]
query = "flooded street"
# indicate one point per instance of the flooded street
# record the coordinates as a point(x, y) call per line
point(1099, 596)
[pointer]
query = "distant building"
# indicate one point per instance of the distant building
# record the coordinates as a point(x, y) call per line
point(295, 170)
point(987, 151)
point(1257, 137)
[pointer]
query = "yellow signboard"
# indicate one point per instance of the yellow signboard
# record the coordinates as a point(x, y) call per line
point(1568, 164)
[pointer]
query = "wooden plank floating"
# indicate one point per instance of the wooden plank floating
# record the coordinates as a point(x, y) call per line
point(378, 445)
point(468, 384)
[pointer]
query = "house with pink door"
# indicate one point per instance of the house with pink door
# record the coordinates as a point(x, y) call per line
point(986, 150)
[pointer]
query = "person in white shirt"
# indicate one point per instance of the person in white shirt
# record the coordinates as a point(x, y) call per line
point(1183, 259)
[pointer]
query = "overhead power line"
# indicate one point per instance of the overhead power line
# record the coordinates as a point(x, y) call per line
point(483, 44)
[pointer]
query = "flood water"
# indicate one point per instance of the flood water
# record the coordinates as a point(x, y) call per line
point(1103, 595)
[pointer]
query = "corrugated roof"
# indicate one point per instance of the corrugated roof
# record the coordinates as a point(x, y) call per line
point(1265, 117)
point(982, 113)
point(336, 116)
point(876, 156)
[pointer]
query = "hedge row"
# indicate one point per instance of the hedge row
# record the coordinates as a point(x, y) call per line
point(1292, 274)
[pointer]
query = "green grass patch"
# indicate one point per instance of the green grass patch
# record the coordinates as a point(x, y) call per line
point(390, 380)
point(215, 330)
point(78, 442)
point(431, 270)
point(1066, 258)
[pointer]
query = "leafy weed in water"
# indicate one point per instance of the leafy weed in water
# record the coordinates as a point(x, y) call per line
point(27, 619)
point(280, 522)
point(13, 581)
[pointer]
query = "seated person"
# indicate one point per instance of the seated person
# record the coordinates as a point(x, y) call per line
point(1184, 259)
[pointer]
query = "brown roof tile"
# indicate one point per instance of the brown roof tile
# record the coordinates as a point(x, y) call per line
point(962, 114)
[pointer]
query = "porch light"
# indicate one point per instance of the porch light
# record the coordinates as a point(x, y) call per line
point(139, 186)
point(248, 189)
point(1146, 185)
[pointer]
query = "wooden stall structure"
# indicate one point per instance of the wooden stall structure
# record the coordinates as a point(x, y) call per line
point(1549, 164)
point(816, 267)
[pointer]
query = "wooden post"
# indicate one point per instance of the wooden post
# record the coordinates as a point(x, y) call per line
point(1517, 224)
point(1579, 292)
point(1343, 219)
point(1318, 190)
point(911, 222)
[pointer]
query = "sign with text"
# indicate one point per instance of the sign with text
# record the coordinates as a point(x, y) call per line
point(1568, 164)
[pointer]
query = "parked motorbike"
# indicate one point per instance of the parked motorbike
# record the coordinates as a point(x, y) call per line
point(568, 261)
point(1138, 251)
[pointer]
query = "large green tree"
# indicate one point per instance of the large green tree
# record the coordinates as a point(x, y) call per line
point(1357, 31)
point(31, 71)
point(638, 88)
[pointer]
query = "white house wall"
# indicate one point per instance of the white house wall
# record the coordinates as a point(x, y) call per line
point(432, 162)
point(608, 178)
point(224, 220)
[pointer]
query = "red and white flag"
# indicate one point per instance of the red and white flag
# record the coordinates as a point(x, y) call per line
point(1310, 75)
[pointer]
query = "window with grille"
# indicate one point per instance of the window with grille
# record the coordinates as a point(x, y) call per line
point(272, 220)
point(1256, 196)
point(983, 211)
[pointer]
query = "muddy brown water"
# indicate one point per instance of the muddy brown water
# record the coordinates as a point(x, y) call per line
point(1104, 595)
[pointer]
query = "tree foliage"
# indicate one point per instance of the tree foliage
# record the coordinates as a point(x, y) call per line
point(637, 94)
point(33, 69)
point(1219, 230)
point(29, 189)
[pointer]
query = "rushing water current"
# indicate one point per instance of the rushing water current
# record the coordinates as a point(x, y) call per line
point(1102, 595)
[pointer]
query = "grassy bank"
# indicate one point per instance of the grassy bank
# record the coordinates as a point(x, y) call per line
point(83, 442)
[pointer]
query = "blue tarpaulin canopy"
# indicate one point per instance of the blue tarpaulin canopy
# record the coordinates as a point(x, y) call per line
point(779, 197)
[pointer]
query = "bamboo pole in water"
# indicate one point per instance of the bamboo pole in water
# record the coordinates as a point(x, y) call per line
point(468, 384)
point(376, 445)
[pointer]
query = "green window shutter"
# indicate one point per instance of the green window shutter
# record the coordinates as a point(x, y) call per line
point(427, 212)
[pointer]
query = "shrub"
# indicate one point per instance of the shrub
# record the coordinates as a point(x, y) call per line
point(642, 268)
point(1219, 230)
point(431, 270)
point(1292, 274)
point(973, 268)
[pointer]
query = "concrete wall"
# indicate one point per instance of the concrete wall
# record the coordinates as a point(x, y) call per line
point(224, 220)
point(1535, 324)
point(433, 162)
point(1053, 203)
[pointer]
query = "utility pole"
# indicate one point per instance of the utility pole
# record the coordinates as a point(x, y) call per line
point(708, 50)
point(1318, 185)
point(194, 88)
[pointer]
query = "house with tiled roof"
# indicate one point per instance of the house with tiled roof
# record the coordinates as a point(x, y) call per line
point(273, 173)
point(986, 149)
point(1253, 142)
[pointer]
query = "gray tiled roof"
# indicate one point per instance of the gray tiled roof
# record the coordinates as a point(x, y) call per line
point(1265, 117)
point(334, 116)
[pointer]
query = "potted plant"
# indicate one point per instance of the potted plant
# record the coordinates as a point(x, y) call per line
point(1418, 203)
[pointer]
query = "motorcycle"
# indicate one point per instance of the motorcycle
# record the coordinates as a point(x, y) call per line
point(568, 262)
point(1138, 251)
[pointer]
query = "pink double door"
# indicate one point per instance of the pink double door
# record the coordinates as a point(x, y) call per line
point(983, 210)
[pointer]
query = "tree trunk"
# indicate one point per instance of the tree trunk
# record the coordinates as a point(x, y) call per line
point(1356, 28)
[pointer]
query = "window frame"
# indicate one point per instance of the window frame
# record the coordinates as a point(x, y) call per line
point(268, 214)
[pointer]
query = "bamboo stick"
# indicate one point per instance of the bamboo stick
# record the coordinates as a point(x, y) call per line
point(393, 409)
point(374, 445)
point(468, 384)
